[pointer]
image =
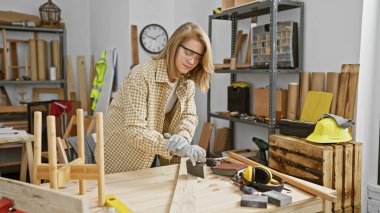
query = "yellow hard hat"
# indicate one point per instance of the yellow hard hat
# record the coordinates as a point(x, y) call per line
point(327, 131)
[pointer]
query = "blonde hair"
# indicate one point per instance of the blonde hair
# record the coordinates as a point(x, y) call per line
point(201, 74)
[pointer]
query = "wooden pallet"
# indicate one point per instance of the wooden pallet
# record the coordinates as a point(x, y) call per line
point(336, 166)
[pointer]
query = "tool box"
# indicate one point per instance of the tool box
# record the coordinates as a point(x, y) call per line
point(337, 166)
point(287, 45)
point(296, 128)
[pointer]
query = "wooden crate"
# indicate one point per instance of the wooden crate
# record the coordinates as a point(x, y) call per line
point(336, 166)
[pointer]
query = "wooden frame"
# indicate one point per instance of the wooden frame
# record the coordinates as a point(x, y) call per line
point(37, 91)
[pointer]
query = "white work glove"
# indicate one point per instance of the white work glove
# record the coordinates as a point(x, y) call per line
point(175, 143)
point(193, 152)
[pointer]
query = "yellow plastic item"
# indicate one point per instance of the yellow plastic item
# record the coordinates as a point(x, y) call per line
point(113, 201)
point(327, 131)
point(316, 104)
point(250, 174)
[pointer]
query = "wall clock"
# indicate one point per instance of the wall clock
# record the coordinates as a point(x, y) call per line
point(153, 38)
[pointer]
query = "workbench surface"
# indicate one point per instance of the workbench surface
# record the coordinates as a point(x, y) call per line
point(151, 190)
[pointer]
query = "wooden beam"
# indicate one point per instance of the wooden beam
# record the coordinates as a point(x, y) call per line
point(35, 199)
point(135, 45)
point(5, 56)
point(82, 82)
point(84, 172)
point(186, 190)
point(204, 140)
point(70, 79)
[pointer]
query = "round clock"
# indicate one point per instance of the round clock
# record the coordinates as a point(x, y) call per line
point(153, 38)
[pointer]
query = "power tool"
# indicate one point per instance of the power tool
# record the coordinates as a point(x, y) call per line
point(263, 147)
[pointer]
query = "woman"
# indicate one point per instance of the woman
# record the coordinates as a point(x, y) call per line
point(157, 97)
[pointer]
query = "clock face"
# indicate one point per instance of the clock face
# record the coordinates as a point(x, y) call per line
point(153, 38)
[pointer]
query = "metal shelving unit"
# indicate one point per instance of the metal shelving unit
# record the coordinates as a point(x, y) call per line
point(62, 41)
point(271, 7)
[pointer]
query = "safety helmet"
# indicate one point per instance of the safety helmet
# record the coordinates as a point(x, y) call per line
point(328, 131)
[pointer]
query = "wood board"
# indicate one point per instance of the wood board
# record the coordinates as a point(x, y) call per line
point(82, 82)
point(152, 189)
point(35, 199)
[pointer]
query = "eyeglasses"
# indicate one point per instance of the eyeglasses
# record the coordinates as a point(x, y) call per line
point(190, 54)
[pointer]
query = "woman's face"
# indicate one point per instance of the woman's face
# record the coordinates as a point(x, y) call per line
point(189, 55)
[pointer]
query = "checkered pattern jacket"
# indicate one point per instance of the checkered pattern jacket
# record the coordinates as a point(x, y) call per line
point(136, 120)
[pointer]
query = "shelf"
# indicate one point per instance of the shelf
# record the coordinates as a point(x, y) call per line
point(245, 121)
point(255, 9)
point(2, 83)
point(32, 29)
point(259, 71)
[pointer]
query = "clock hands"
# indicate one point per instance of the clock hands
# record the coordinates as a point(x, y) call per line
point(150, 36)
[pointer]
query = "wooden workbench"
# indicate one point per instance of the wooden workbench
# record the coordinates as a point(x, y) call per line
point(25, 143)
point(151, 190)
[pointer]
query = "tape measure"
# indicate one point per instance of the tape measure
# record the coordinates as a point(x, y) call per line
point(113, 201)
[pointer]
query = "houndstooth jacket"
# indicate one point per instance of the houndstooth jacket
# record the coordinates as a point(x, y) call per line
point(135, 122)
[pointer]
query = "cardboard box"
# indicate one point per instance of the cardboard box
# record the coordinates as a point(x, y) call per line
point(244, 2)
point(226, 4)
point(261, 102)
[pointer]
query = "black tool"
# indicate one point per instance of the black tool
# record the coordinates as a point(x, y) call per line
point(263, 147)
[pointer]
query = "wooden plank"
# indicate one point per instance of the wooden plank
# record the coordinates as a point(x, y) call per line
point(289, 168)
point(357, 174)
point(82, 82)
point(342, 91)
point(24, 162)
point(17, 40)
point(249, 49)
point(327, 176)
point(55, 58)
point(352, 91)
point(299, 146)
point(14, 59)
point(35, 199)
point(30, 159)
point(70, 79)
point(33, 59)
point(186, 190)
point(63, 175)
point(222, 139)
point(62, 158)
point(338, 175)
point(135, 47)
point(84, 172)
point(13, 109)
point(347, 174)
point(204, 140)
point(92, 76)
point(42, 60)
point(5, 56)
